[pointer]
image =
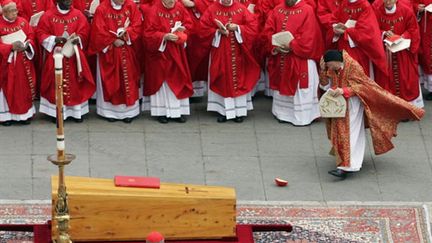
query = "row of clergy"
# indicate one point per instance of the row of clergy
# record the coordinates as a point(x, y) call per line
point(226, 47)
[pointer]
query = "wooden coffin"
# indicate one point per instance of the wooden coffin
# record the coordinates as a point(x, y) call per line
point(100, 211)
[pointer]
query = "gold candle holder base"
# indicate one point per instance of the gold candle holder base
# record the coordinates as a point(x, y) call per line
point(61, 162)
point(61, 206)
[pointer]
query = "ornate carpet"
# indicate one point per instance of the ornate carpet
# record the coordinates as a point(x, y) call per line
point(336, 224)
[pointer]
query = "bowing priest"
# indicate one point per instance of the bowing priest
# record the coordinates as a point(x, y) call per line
point(342, 75)
point(17, 77)
point(115, 28)
point(292, 69)
point(168, 86)
point(66, 27)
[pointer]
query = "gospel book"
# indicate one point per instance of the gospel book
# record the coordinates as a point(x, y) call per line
point(34, 19)
point(281, 39)
point(13, 37)
point(137, 181)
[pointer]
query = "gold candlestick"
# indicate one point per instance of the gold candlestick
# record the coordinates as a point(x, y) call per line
point(61, 159)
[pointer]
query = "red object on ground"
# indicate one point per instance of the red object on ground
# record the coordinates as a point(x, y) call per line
point(280, 182)
point(155, 237)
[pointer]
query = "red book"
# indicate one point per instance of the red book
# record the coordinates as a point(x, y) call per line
point(137, 181)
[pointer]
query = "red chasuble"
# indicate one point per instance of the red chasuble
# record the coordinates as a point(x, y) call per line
point(233, 71)
point(30, 7)
point(287, 71)
point(325, 10)
point(197, 52)
point(366, 34)
point(17, 78)
point(170, 64)
point(78, 88)
point(119, 68)
point(409, 3)
point(425, 52)
point(403, 66)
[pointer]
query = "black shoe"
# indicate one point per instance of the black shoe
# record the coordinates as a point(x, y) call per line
point(127, 120)
point(339, 173)
point(195, 100)
point(405, 120)
point(25, 122)
point(77, 120)
point(162, 119)
point(6, 123)
point(428, 96)
point(239, 119)
point(53, 120)
point(181, 119)
point(221, 119)
point(111, 120)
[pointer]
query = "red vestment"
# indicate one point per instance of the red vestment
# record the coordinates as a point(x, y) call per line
point(198, 54)
point(425, 52)
point(78, 88)
point(233, 71)
point(403, 79)
point(365, 35)
point(30, 7)
point(169, 65)
point(18, 78)
point(382, 110)
point(287, 71)
point(119, 68)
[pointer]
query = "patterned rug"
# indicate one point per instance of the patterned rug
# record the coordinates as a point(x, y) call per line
point(336, 224)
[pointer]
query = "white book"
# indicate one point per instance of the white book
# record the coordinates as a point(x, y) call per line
point(282, 38)
point(34, 19)
point(13, 37)
point(251, 8)
point(404, 44)
point(93, 5)
point(350, 23)
point(428, 8)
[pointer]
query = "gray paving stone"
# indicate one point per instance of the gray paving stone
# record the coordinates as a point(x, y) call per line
point(285, 144)
point(174, 143)
point(42, 188)
point(104, 165)
point(16, 140)
point(178, 169)
point(242, 173)
point(16, 188)
point(117, 144)
point(234, 143)
point(76, 142)
point(13, 166)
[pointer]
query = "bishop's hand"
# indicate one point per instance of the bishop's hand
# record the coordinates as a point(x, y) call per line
point(119, 42)
point(232, 27)
point(188, 3)
point(60, 40)
point(18, 46)
point(421, 8)
point(388, 33)
point(170, 37)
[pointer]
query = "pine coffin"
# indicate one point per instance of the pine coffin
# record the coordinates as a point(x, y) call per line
point(100, 211)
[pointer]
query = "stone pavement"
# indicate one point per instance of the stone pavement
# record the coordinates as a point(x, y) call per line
point(247, 156)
